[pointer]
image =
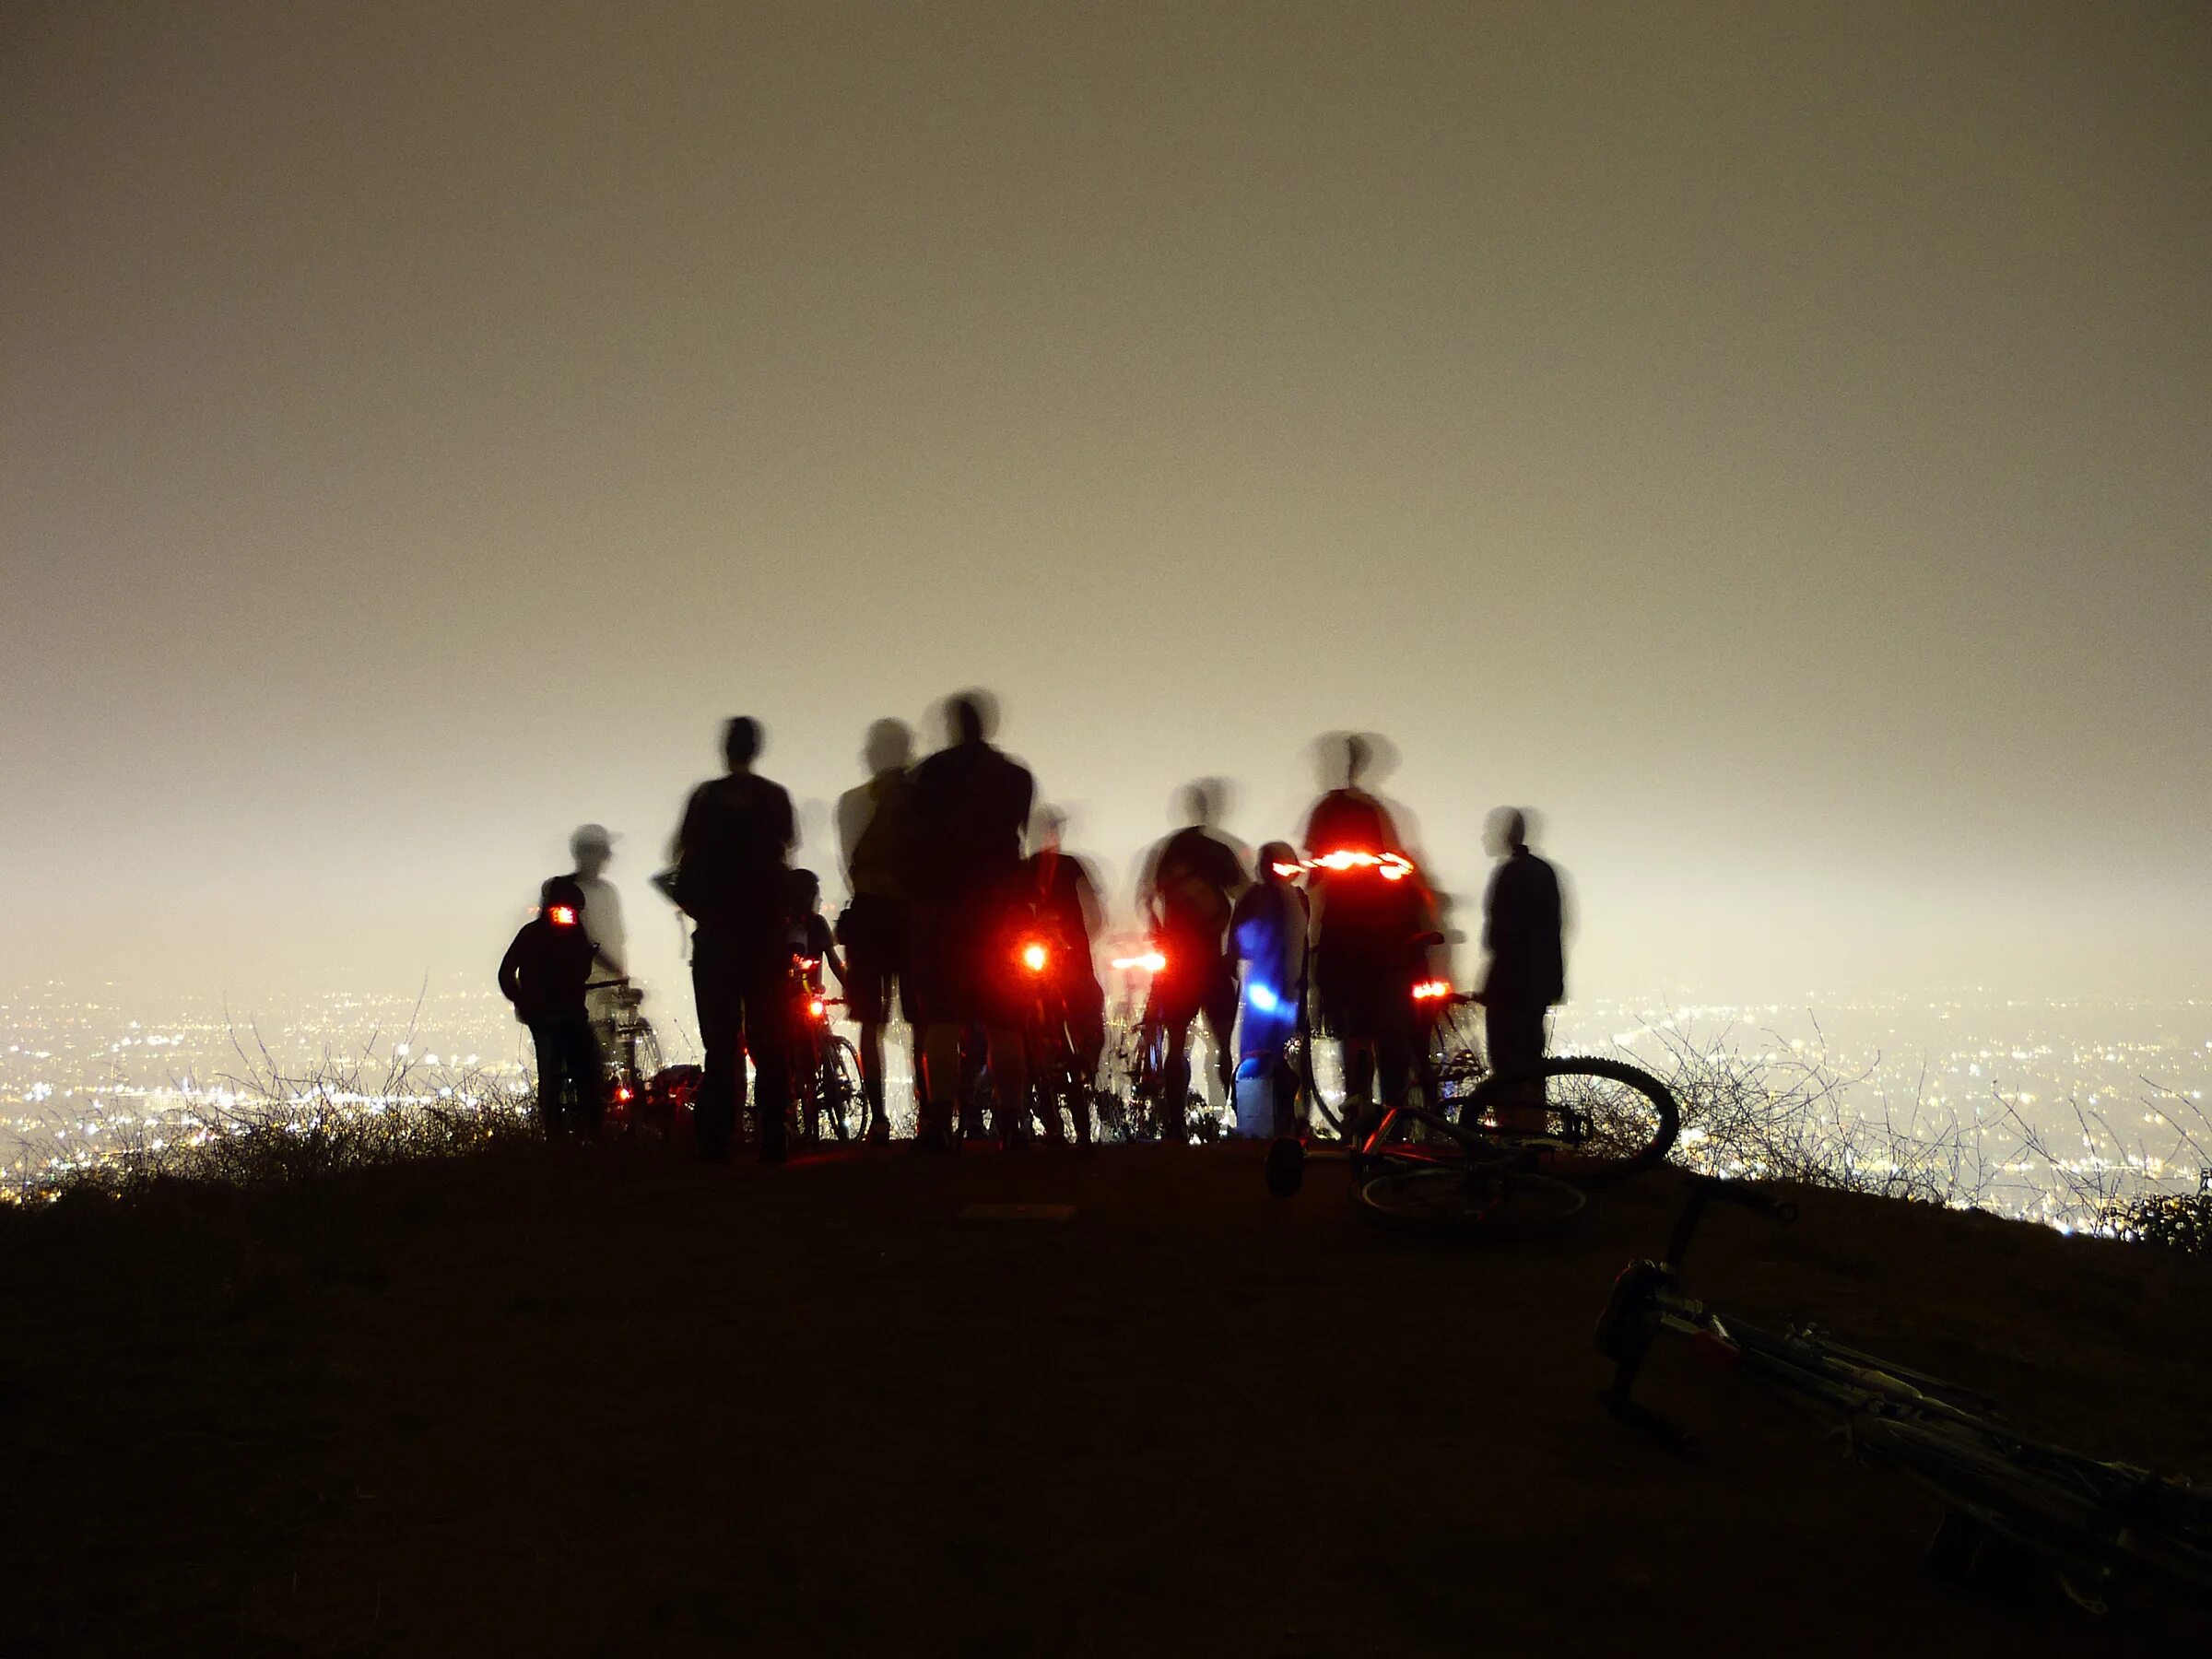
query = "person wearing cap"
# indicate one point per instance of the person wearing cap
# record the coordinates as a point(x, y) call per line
point(593, 848)
point(543, 974)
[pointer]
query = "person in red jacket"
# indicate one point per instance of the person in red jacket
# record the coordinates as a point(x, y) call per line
point(543, 974)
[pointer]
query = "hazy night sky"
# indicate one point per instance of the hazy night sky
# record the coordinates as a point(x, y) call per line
point(1775, 442)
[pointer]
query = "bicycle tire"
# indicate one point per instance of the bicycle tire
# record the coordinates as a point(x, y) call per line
point(646, 1061)
point(840, 1097)
point(1614, 1137)
point(1454, 1198)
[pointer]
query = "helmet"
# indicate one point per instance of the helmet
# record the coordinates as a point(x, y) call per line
point(561, 900)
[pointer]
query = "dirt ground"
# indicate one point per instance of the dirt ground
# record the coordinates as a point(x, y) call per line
point(561, 1401)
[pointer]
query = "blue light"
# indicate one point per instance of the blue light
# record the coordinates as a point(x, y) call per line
point(1262, 997)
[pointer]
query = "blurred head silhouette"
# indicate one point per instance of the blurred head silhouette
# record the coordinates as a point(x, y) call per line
point(591, 847)
point(1275, 859)
point(1048, 825)
point(1204, 801)
point(1343, 759)
point(889, 747)
point(970, 717)
point(741, 741)
point(1505, 831)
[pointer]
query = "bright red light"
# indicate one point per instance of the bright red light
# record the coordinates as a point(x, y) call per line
point(1034, 956)
point(622, 1094)
point(814, 1008)
point(561, 915)
point(1434, 990)
point(1391, 866)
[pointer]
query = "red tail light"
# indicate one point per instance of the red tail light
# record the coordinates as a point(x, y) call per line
point(1034, 956)
point(1391, 866)
point(815, 1007)
point(561, 915)
point(1434, 990)
point(1152, 961)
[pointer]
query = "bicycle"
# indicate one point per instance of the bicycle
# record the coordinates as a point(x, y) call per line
point(1610, 1121)
point(1055, 1079)
point(2008, 1498)
point(641, 1091)
point(1139, 1107)
point(825, 1074)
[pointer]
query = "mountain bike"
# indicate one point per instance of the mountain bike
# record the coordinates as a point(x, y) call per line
point(1589, 1120)
point(1594, 1121)
point(1418, 1169)
point(2008, 1499)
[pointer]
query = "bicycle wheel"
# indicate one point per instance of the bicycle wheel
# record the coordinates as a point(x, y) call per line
point(636, 1068)
point(1474, 1199)
point(648, 1053)
point(842, 1101)
point(1600, 1120)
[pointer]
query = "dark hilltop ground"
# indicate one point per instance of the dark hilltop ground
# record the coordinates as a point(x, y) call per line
point(551, 1401)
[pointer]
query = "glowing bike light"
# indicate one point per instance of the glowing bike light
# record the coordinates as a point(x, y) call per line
point(1262, 997)
point(1391, 866)
point(561, 915)
point(814, 1008)
point(1033, 956)
point(1289, 872)
point(1434, 990)
point(1152, 961)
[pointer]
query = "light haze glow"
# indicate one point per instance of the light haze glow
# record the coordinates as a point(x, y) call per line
point(1769, 441)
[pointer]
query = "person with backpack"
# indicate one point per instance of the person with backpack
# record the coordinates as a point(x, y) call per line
point(543, 974)
point(730, 855)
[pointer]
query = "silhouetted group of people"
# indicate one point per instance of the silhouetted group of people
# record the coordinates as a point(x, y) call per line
point(954, 873)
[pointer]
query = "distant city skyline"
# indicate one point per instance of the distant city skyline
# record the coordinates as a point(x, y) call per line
point(1766, 439)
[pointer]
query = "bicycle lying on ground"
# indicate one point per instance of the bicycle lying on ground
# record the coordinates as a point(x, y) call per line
point(2008, 1499)
point(1505, 1153)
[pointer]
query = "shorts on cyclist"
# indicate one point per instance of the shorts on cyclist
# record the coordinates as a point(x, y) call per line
point(873, 932)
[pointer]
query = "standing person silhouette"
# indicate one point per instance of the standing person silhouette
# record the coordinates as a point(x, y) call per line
point(543, 974)
point(1268, 931)
point(1523, 922)
point(972, 802)
point(729, 852)
point(1365, 960)
point(876, 829)
point(1060, 896)
point(593, 848)
point(1188, 892)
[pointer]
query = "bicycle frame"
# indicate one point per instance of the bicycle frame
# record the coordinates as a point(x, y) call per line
point(2076, 1513)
